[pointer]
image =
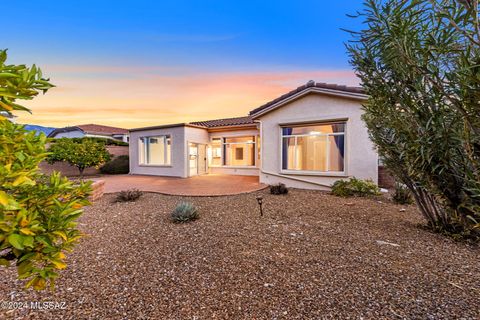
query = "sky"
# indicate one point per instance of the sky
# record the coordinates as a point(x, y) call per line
point(141, 63)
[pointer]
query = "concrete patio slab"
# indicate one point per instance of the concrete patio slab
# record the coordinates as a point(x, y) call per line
point(205, 185)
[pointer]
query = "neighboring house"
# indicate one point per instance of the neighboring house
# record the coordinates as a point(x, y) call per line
point(307, 138)
point(91, 130)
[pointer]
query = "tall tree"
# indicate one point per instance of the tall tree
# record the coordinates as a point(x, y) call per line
point(419, 62)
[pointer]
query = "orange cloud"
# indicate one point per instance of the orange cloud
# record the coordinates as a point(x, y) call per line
point(141, 96)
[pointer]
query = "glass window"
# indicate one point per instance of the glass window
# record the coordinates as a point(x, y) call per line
point(319, 147)
point(239, 151)
point(155, 150)
point(215, 152)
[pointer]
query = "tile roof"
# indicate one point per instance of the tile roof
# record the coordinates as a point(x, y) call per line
point(224, 122)
point(310, 84)
point(100, 129)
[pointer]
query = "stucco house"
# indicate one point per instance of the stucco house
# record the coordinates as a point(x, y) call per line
point(307, 138)
point(91, 130)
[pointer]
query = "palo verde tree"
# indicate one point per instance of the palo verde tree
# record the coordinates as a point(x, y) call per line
point(37, 212)
point(82, 154)
point(419, 62)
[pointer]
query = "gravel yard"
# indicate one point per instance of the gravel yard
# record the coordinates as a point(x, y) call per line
point(311, 256)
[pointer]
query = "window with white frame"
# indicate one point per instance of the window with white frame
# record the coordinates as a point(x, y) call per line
point(317, 147)
point(239, 151)
point(155, 150)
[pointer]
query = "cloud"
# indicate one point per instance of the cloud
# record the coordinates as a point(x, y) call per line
point(150, 96)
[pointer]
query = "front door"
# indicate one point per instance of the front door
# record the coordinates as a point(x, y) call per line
point(202, 159)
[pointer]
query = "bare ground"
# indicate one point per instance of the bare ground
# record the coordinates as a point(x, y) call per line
point(311, 256)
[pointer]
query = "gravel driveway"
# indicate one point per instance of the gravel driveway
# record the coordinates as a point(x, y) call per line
point(311, 256)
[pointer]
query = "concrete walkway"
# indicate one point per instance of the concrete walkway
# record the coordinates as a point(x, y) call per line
point(206, 185)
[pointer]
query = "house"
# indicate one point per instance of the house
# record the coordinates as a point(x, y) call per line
point(307, 138)
point(91, 130)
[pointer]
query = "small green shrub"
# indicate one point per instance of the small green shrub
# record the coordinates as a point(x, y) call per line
point(184, 212)
point(128, 195)
point(402, 195)
point(278, 188)
point(119, 165)
point(355, 188)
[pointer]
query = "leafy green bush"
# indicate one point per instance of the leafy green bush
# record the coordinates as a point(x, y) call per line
point(184, 212)
point(128, 195)
point(105, 141)
point(355, 188)
point(37, 212)
point(402, 194)
point(279, 188)
point(119, 165)
point(82, 155)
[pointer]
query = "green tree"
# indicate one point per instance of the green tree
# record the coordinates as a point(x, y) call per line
point(81, 154)
point(37, 212)
point(419, 62)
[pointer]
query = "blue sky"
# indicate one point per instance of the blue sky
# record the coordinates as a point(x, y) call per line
point(111, 44)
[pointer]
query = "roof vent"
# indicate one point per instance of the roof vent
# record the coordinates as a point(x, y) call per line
point(311, 83)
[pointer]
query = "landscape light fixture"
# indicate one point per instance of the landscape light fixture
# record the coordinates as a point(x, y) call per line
point(260, 202)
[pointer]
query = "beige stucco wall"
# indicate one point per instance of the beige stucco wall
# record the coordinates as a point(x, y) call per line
point(178, 150)
point(361, 160)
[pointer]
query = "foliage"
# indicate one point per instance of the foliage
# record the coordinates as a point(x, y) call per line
point(106, 141)
point(184, 212)
point(119, 165)
point(37, 212)
point(355, 188)
point(402, 194)
point(19, 82)
point(85, 154)
point(128, 195)
point(279, 188)
point(419, 62)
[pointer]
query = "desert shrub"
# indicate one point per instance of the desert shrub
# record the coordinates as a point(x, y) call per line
point(84, 154)
point(355, 188)
point(184, 212)
point(119, 165)
point(37, 212)
point(278, 188)
point(402, 195)
point(423, 108)
point(128, 195)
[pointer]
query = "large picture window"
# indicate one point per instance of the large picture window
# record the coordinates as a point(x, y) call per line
point(319, 147)
point(239, 151)
point(155, 150)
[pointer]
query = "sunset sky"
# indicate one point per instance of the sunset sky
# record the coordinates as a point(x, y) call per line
point(140, 63)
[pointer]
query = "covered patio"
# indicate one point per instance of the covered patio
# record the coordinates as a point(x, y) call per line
point(204, 185)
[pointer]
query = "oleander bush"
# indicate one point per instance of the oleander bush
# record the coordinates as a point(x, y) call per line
point(184, 212)
point(419, 63)
point(355, 188)
point(402, 195)
point(278, 188)
point(128, 195)
point(119, 165)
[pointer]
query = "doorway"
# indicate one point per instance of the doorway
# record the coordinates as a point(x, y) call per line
point(197, 159)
